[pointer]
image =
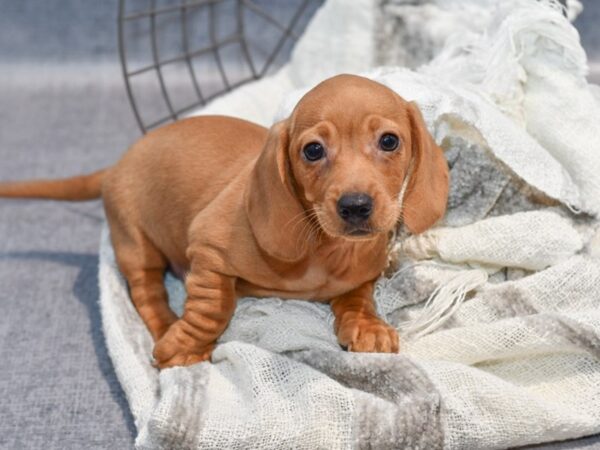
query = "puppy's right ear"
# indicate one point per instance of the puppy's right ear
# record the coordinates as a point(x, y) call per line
point(272, 205)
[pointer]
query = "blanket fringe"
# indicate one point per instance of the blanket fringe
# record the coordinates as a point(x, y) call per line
point(443, 302)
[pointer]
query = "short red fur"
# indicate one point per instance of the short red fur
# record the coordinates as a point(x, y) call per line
point(239, 209)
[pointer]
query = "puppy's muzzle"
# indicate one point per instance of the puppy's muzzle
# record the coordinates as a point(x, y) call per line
point(355, 210)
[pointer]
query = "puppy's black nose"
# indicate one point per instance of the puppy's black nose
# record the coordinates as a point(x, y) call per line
point(355, 208)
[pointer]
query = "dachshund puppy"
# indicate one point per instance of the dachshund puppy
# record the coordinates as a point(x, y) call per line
point(303, 210)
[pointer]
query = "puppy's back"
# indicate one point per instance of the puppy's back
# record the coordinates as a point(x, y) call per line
point(174, 172)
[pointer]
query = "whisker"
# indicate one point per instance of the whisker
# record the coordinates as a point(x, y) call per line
point(296, 220)
point(308, 228)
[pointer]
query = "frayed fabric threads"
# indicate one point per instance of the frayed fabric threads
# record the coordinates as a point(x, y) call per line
point(498, 306)
point(445, 300)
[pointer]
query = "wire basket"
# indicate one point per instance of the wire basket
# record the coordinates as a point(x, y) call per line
point(178, 55)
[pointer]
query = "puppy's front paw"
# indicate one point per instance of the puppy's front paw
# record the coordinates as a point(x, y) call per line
point(177, 348)
point(367, 334)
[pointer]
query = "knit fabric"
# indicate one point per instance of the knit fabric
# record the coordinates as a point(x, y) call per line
point(497, 307)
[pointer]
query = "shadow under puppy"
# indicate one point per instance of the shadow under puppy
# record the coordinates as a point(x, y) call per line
point(303, 210)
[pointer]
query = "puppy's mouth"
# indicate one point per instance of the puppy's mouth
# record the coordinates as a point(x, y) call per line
point(361, 231)
point(354, 232)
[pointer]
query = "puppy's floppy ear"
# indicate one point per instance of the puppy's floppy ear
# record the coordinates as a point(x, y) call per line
point(427, 194)
point(272, 206)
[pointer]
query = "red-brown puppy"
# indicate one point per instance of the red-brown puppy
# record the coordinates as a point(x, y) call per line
point(301, 211)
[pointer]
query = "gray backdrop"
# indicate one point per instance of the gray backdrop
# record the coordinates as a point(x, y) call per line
point(63, 111)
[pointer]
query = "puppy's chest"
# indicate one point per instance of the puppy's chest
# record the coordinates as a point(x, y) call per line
point(323, 281)
point(322, 276)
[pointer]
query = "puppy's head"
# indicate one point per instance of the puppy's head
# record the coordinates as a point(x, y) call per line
point(354, 158)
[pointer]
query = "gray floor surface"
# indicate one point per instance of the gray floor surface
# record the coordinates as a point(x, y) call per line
point(61, 114)
point(58, 389)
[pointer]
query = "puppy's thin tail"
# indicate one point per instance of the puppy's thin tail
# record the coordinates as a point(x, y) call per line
point(79, 188)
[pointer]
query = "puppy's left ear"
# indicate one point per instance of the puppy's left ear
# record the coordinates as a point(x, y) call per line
point(427, 194)
point(272, 205)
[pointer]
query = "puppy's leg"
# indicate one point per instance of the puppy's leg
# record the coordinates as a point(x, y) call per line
point(356, 323)
point(208, 308)
point(143, 266)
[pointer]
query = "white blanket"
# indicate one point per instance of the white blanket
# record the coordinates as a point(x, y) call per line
point(499, 307)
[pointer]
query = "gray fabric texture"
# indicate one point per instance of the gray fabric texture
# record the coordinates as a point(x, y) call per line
point(403, 408)
point(63, 111)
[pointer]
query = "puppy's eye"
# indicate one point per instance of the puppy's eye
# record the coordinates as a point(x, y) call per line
point(313, 151)
point(389, 142)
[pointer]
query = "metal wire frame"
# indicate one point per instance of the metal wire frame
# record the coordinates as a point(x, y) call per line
point(186, 56)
